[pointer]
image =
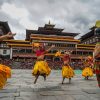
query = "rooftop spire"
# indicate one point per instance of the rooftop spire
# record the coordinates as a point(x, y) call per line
point(49, 22)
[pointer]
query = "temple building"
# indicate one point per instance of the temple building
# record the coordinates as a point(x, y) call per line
point(93, 36)
point(4, 28)
point(62, 40)
point(21, 50)
point(48, 35)
point(4, 49)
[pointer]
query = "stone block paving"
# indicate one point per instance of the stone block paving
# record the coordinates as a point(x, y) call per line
point(21, 87)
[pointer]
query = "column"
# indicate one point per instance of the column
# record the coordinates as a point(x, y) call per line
point(11, 53)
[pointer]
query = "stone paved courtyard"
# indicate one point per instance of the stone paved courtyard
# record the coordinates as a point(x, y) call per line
point(21, 87)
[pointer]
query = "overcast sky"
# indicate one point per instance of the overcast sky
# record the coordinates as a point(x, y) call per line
point(72, 15)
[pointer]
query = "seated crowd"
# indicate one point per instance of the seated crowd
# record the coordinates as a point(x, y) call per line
point(28, 64)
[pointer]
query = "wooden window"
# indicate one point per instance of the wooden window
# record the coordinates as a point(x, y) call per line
point(4, 51)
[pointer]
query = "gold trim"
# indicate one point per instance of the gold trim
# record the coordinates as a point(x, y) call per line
point(84, 48)
point(27, 45)
point(55, 39)
point(16, 41)
point(86, 45)
point(60, 37)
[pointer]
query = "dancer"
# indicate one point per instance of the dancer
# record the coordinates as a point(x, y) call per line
point(67, 71)
point(88, 70)
point(41, 67)
point(96, 56)
point(5, 71)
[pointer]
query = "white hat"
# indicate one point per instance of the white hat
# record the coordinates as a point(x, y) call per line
point(66, 52)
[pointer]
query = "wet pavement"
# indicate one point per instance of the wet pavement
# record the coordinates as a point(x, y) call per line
point(21, 87)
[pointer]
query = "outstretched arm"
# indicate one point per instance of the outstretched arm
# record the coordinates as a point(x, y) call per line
point(96, 51)
point(50, 48)
point(33, 49)
point(8, 35)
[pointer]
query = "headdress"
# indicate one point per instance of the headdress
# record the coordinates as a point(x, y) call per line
point(58, 53)
point(36, 44)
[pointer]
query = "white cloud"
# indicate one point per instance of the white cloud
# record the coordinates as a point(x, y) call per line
point(72, 15)
point(20, 14)
point(20, 33)
point(14, 12)
point(28, 24)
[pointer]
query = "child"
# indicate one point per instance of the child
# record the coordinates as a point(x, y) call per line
point(41, 67)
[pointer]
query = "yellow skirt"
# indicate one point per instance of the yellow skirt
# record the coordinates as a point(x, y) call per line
point(5, 72)
point(3, 79)
point(41, 67)
point(87, 72)
point(67, 72)
point(6, 69)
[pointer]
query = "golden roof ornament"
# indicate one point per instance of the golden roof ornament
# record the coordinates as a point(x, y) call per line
point(97, 24)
